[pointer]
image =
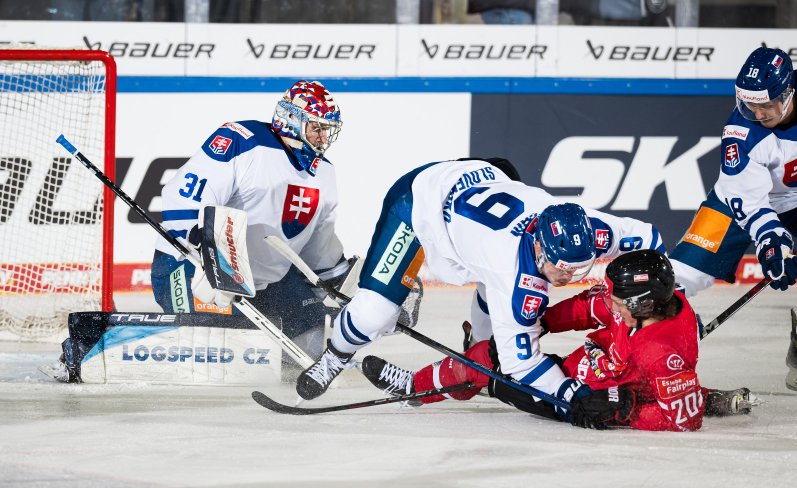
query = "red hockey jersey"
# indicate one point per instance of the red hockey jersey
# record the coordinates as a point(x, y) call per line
point(658, 361)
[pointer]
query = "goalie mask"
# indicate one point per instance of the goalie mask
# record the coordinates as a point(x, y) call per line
point(765, 86)
point(566, 239)
point(308, 120)
point(643, 280)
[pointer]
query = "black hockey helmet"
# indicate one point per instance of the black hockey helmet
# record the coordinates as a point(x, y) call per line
point(644, 280)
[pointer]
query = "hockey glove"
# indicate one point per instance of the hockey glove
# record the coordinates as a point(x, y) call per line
point(773, 252)
point(599, 409)
point(200, 286)
point(225, 258)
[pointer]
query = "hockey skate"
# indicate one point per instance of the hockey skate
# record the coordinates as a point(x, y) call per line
point(315, 380)
point(791, 356)
point(721, 403)
point(389, 378)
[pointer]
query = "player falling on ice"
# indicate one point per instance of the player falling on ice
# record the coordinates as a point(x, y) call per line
point(641, 362)
point(471, 223)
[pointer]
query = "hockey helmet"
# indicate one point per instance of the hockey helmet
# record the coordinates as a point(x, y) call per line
point(644, 280)
point(308, 120)
point(566, 239)
point(765, 83)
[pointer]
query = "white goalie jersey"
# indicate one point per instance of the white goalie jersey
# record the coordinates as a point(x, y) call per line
point(243, 165)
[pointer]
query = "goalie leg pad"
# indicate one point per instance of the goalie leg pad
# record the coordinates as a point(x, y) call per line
point(170, 283)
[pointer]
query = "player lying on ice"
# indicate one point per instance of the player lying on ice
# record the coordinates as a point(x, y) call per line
point(472, 223)
point(640, 362)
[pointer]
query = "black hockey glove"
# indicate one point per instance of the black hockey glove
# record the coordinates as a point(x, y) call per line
point(599, 409)
point(773, 253)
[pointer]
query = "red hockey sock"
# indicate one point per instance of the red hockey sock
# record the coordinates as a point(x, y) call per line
point(449, 372)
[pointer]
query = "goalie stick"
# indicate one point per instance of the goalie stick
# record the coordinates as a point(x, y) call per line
point(265, 401)
point(246, 308)
point(297, 261)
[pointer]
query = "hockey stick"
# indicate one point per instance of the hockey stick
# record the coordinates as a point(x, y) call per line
point(246, 308)
point(264, 401)
point(735, 307)
point(297, 261)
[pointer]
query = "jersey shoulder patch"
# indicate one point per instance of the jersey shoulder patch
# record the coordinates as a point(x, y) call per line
point(604, 237)
point(739, 137)
point(530, 295)
point(235, 138)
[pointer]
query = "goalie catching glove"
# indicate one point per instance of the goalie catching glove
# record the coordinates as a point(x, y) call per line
point(225, 260)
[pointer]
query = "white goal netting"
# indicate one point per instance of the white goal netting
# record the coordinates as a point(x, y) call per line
point(51, 207)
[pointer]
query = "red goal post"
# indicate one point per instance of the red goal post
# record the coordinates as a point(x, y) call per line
point(56, 219)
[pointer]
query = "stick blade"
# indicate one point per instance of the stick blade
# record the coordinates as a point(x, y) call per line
point(264, 401)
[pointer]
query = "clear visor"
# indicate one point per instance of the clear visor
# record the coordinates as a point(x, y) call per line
point(319, 133)
point(752, 107)
point(577, 270)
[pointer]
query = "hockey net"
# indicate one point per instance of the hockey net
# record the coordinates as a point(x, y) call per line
point(56, 245)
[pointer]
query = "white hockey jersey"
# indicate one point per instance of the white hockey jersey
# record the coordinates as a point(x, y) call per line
point(245, 166)
point(758, 176)
point(473, 222)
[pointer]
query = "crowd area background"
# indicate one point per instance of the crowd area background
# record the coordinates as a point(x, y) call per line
point(681, 13)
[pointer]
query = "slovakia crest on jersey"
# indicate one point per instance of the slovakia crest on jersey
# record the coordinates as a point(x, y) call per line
point(602, 239)
point(300, 205)
point(531, 307)
point(732, 159)
point(220, 144)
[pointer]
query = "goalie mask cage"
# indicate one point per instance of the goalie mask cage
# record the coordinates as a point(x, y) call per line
point(56, 231)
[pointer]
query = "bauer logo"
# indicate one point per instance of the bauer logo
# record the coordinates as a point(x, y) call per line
point(220, 144)
point(397, 248)
point(482, 51)
point(312, 51)
point(153, 50)
point(642, 52)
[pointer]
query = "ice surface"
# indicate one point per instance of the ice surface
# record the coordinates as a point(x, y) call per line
point(62, 435)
